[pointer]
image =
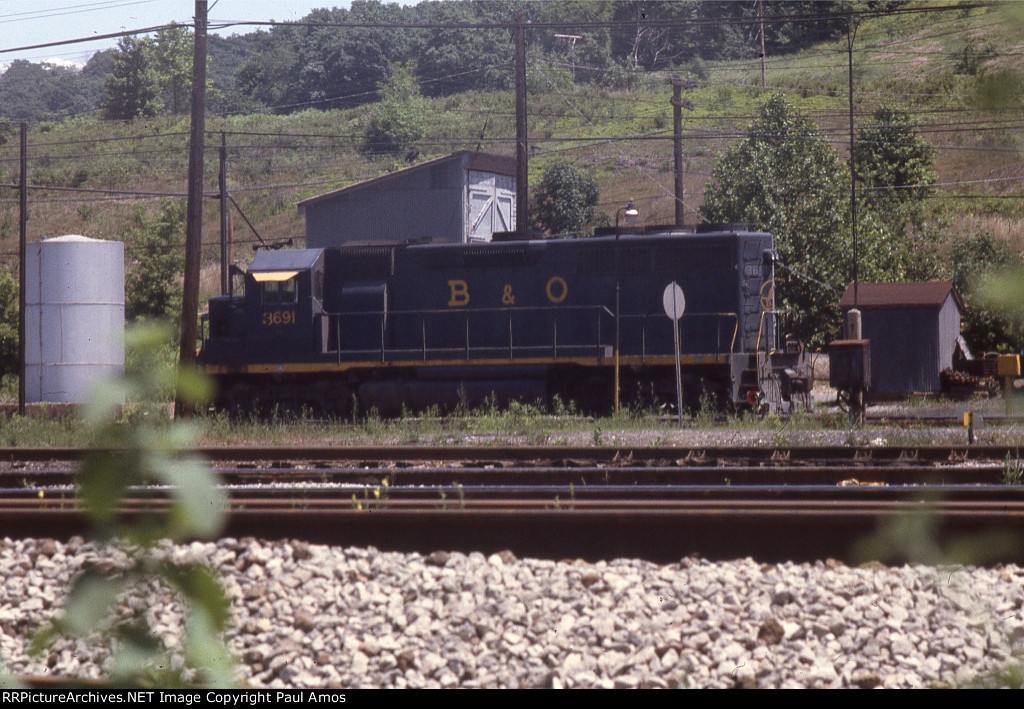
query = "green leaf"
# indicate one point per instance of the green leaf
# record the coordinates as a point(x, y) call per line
point(90, 602)
point(136, 651)
point(9, 681)
point(101, 484)
point(194, 487)
point(200, 585)
point(1004, 290)
point(193, 386)
point(105, 400)
point(205, 649)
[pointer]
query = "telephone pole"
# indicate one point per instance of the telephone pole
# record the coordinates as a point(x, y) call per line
point(764, 66)
point(677, 140)
point(22, 249)
point(225, 254)
point(194, 208)
point(522, 135)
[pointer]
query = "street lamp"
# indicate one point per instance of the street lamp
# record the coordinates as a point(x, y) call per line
point(630, 212)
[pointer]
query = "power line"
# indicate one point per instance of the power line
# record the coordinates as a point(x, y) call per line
point(93, 38)
point(604, 24)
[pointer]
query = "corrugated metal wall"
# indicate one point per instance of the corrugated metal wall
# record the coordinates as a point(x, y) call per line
point(445, 201)
point(904, 349)
point(418, 204)
point(910, 346)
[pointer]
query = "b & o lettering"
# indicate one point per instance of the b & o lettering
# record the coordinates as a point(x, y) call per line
point(557, 289)
point(459, 293)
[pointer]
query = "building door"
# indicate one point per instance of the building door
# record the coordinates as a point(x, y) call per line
point(490, 205)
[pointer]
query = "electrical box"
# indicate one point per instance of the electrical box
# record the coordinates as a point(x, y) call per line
point(849, 363)
point(1008, 365)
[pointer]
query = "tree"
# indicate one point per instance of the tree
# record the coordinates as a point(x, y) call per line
point(132, 87)
point(171, 55)
point(783, 177)
point(33, 92)
point(564, 202)
point(264, 76)
point(152, 288)
point(970, 258)
point(895, 167)
point(8, 323)
point(893, 161)
point(397, 121)
point(455, 60)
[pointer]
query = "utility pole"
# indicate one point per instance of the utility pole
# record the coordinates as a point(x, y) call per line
point(225, 255)
point(677, 140)
point(570, 43)
point(22, 248)
point(522, 136)
point(764, 67)
point(194, 208)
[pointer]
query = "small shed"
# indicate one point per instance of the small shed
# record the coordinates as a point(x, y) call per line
point(913, 329)
point(459, 198)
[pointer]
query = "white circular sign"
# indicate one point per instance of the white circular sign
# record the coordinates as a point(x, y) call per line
point(673, 300)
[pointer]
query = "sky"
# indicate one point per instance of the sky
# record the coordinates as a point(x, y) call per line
point(30, 22)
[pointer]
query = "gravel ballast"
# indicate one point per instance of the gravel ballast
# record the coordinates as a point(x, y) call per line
point(313, 616)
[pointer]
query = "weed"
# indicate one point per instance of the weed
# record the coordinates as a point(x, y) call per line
point(707, 411)
point(1013, 471)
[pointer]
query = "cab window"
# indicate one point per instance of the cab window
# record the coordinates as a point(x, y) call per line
point(280, 292)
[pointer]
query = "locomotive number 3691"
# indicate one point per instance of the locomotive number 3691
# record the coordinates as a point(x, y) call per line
point(278, 317)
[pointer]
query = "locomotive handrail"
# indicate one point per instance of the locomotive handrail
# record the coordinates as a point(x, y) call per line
point(687, 316)
point(509, 348)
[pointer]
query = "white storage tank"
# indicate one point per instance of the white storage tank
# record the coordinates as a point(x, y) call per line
point(74, 316)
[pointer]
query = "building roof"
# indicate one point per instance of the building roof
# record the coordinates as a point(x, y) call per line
point(284, 260)
point(485, 162)
point(928, 294)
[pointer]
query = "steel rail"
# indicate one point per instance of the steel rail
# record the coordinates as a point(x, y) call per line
point(567, 455)
point(863, 473)
point(659, 532)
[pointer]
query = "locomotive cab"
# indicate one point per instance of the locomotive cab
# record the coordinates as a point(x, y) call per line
point(279, 308)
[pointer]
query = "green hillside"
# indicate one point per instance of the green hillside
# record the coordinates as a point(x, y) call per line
point(930, 64)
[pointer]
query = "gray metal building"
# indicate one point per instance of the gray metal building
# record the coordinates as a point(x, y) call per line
point(913, 328)
point(459, 198)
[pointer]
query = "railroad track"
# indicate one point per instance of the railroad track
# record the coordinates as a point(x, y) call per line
point(285, 456)
point(655, 503)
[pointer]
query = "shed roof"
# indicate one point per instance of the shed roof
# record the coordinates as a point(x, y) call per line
point(927, 294)
point(486, 162)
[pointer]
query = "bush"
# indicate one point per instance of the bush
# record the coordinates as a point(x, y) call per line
point(398, 118)
point(564, 202)
point(8, 323)
point(152, 289)
point(970, 258)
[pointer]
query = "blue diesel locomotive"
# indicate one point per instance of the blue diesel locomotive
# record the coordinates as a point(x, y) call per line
point(421, 325)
